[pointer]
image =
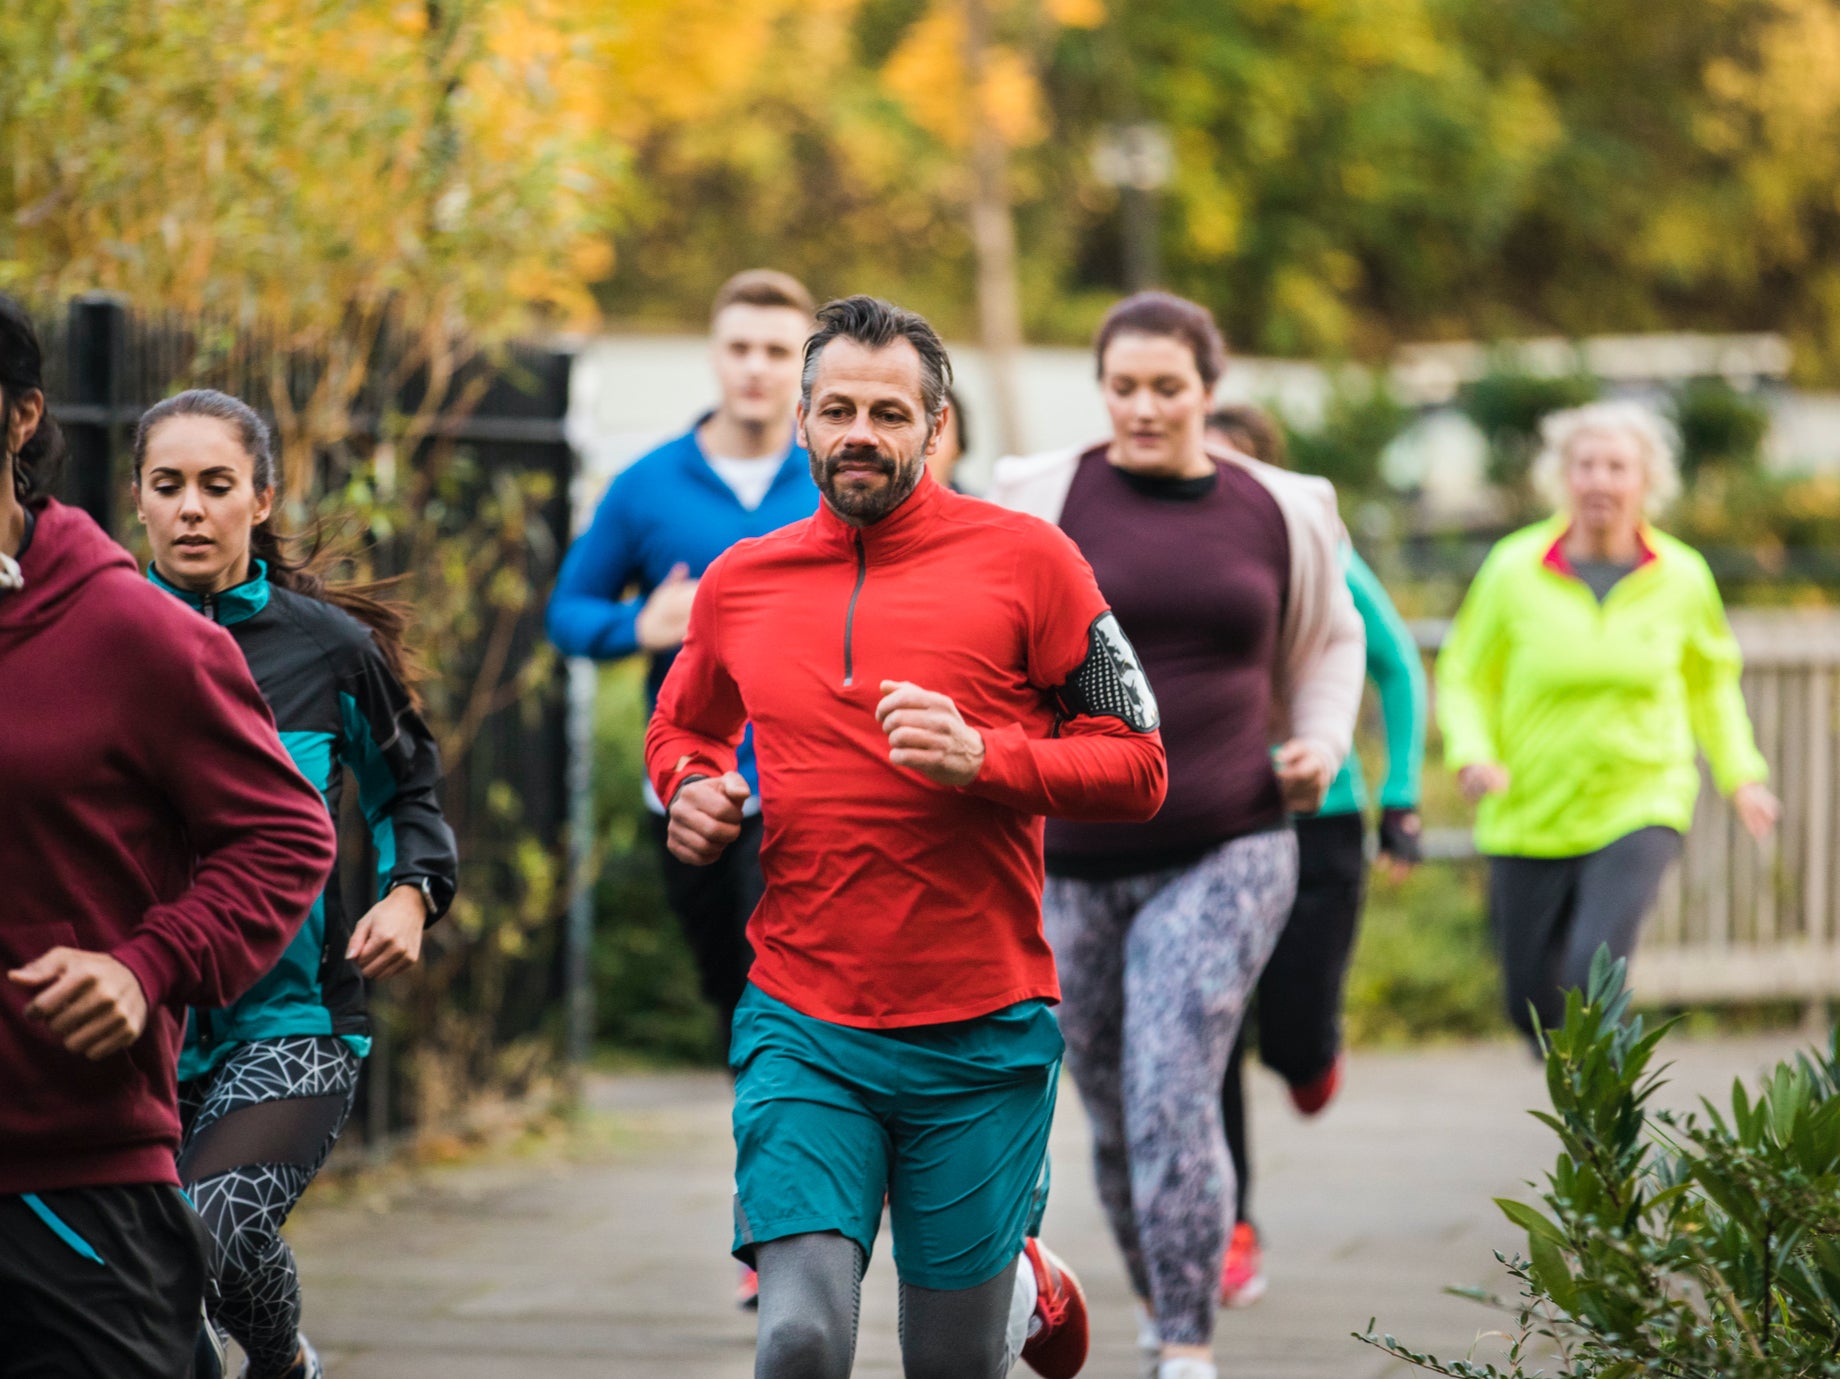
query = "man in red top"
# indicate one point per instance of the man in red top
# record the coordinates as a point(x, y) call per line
point(927, 676)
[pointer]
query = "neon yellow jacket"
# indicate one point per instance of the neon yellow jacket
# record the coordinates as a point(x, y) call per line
point(1594, 709)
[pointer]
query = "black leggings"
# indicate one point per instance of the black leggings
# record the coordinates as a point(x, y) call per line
point(1297, 1009)
point(1549, 916)
point(256, 1131)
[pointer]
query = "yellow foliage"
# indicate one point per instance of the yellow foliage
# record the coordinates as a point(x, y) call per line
point(927, 74)
point(1213, 214)
point(306, 160)
point(1778, 116)
point(1075, 14)
point(1012, 99)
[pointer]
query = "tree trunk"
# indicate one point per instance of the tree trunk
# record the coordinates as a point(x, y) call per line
point(993, 235)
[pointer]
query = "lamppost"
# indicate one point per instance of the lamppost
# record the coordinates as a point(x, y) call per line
point(1138, 159)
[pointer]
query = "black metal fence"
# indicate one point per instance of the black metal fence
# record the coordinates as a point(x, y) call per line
point(106, 363)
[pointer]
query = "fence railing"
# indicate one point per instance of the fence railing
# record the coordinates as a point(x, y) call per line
point(1736, 920)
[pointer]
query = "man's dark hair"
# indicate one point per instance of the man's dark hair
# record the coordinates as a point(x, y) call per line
point(875, 324)
point(1252, 430)
point(1164, 313)
point(22, 365)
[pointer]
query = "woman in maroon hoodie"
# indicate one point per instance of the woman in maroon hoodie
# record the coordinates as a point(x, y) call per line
point(157, 850)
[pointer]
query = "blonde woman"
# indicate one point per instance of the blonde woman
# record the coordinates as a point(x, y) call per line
point(1589, 659)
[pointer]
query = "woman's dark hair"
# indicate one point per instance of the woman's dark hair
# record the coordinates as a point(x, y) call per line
point(1252, 430)
point(958, 419)
point(304, 574)
point(1164, 313)
point(22, 362)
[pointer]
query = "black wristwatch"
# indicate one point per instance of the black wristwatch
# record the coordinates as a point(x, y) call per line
point(1400, 836)
point(430, 906)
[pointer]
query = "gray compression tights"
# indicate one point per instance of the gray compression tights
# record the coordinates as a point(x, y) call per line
point(811, 1299)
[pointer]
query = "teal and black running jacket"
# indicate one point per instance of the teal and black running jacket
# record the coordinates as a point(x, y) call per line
point(337, 704)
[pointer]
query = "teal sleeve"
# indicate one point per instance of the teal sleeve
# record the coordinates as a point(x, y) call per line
point(1394, 666)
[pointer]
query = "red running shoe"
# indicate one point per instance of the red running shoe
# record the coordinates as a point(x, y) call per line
point(1058, 1332)
point(1310, 1097)
point(1242, 1272)
point(747, 1290)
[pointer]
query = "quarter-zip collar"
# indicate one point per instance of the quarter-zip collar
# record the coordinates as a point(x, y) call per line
point(229, 606)
point(1559, 563)
point(900, 531)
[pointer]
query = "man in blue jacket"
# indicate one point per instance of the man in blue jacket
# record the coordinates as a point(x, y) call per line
point(738, 472)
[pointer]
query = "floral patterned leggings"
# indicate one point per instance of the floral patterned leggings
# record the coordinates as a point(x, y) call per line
point(1155, 974)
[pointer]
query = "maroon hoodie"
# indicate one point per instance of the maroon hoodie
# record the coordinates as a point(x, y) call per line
point(147, 810)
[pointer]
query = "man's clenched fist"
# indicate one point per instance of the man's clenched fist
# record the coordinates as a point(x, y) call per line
point(706, 817)
point(926, 734)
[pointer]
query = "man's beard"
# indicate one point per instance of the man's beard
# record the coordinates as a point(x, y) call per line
point(866, 506)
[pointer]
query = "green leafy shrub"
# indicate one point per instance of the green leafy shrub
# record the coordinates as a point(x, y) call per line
point(1361, 417)
point(1718, 425)
point(1507, 404)
point(645, 985)
point(1770, 538)
point(1694, 1247)
point(1422, 967)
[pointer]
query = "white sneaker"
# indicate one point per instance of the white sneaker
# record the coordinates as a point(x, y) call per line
point(306, 1365)
point(1149, 1339)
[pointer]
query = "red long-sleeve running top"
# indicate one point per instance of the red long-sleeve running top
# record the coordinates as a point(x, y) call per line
point(891, 900)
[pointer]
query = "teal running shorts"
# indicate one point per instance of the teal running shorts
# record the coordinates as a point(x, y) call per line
point(951, 1121)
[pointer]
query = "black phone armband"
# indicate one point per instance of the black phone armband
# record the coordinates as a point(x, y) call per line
point(1110, 682)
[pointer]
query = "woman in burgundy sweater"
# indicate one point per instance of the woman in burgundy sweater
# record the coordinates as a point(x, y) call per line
point(157, 850)
point(1224, 574)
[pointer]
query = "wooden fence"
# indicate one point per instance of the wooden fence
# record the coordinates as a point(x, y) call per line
point(1739, 921)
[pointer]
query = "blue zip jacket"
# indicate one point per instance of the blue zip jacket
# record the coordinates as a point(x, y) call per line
point(666, 508)
point(337, 704)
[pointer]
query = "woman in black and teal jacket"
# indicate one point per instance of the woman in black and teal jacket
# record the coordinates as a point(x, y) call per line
point(1299, 1012)
point(267, 1083)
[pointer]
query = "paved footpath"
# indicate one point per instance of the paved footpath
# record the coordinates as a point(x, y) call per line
point(609, 1260)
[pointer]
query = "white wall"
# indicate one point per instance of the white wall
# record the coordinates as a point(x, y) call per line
point(630, 392)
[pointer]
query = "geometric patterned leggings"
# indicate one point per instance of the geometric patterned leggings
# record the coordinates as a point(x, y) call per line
point(257, 1130)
